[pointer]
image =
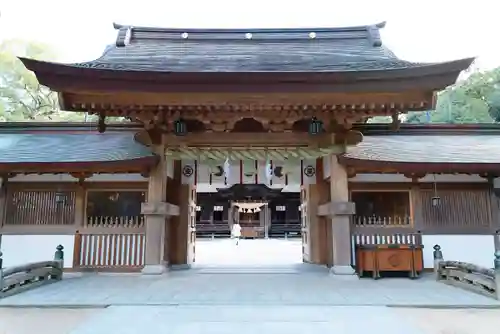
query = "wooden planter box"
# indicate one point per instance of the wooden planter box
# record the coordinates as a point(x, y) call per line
point(387, 257)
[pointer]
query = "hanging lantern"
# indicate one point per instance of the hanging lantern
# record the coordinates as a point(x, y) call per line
point(180, 128)
point(435, 200)
point(315, 126)
point(101, 124)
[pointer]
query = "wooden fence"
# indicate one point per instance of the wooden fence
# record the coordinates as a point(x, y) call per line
point(113, 252)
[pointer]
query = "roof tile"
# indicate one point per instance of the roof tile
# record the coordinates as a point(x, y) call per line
point(74, 147)
point(248, 50)
point(452, 149)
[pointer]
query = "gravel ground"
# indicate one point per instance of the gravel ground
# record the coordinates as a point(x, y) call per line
point(33, 320)
point(463, 321)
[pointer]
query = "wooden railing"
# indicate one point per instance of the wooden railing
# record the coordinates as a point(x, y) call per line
point(212, 229)
point(20, 278)
point(377, 235)
point(109, 221)
point(399, 221)
point(481, 280)
point(285, 228)
point(104, 252)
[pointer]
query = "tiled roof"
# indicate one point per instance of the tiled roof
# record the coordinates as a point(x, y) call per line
point(248, 50)
point(70, 147)
point(442, 149)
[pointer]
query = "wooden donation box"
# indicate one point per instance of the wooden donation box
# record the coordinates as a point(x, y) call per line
point(389, 257)
point(249, 232)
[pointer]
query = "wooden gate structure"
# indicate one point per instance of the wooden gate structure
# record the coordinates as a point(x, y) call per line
point(208, 96)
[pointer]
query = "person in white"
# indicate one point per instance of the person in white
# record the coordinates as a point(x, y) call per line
point(236, 232)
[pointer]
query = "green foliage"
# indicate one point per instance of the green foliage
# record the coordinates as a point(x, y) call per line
point(22, 98)
point(474, 100)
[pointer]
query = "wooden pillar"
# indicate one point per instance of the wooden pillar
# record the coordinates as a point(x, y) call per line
point(80, 209)
point(340, 211)
point(182, 228)
point(155, 219)
point(313, 225)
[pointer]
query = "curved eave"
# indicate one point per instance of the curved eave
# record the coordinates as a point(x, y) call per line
point(138, 165)
point(53, 75)
point(417, 168)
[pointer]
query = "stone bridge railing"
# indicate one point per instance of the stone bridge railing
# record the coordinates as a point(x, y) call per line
point(468, 276)
point(20, 278)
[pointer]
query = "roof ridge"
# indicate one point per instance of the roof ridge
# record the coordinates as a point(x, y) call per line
point(379, 25)
point(128, 32)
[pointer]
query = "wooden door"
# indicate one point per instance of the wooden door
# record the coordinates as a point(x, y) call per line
point(305, 230)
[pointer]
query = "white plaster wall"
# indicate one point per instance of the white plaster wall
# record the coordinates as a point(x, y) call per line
point(21, 249)
point(477, 249)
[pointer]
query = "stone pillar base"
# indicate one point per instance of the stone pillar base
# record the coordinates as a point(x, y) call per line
point(154, 269)
point(343, 271)
point(184, 266)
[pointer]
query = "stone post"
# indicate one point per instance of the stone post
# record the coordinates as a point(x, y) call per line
point(438, 258)
point(497, 274)
point(59, 257)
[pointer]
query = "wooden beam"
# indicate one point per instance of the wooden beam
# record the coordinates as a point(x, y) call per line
point(258, 140)
point(251, 101)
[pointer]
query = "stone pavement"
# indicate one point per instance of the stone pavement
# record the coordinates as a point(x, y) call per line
point(244, 294)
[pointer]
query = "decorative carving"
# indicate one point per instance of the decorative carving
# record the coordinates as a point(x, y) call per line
point(187, 171)
point(394, 260)
point(309, 171)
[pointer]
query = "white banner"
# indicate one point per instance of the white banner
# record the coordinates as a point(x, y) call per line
point(212, 173)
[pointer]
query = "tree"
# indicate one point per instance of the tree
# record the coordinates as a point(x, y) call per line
point(21, 96)
point(473, 100)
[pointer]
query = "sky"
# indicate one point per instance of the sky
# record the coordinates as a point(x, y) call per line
point(423, 30)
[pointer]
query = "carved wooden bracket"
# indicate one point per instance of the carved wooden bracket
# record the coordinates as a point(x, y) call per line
point(81, 176)
point(415, 176)
point(336, 209)
point(159, 209)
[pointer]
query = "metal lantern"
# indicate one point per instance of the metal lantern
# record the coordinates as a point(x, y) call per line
point(435, 200)
point(315, 126)
point(180, 128)
point(101, 124)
